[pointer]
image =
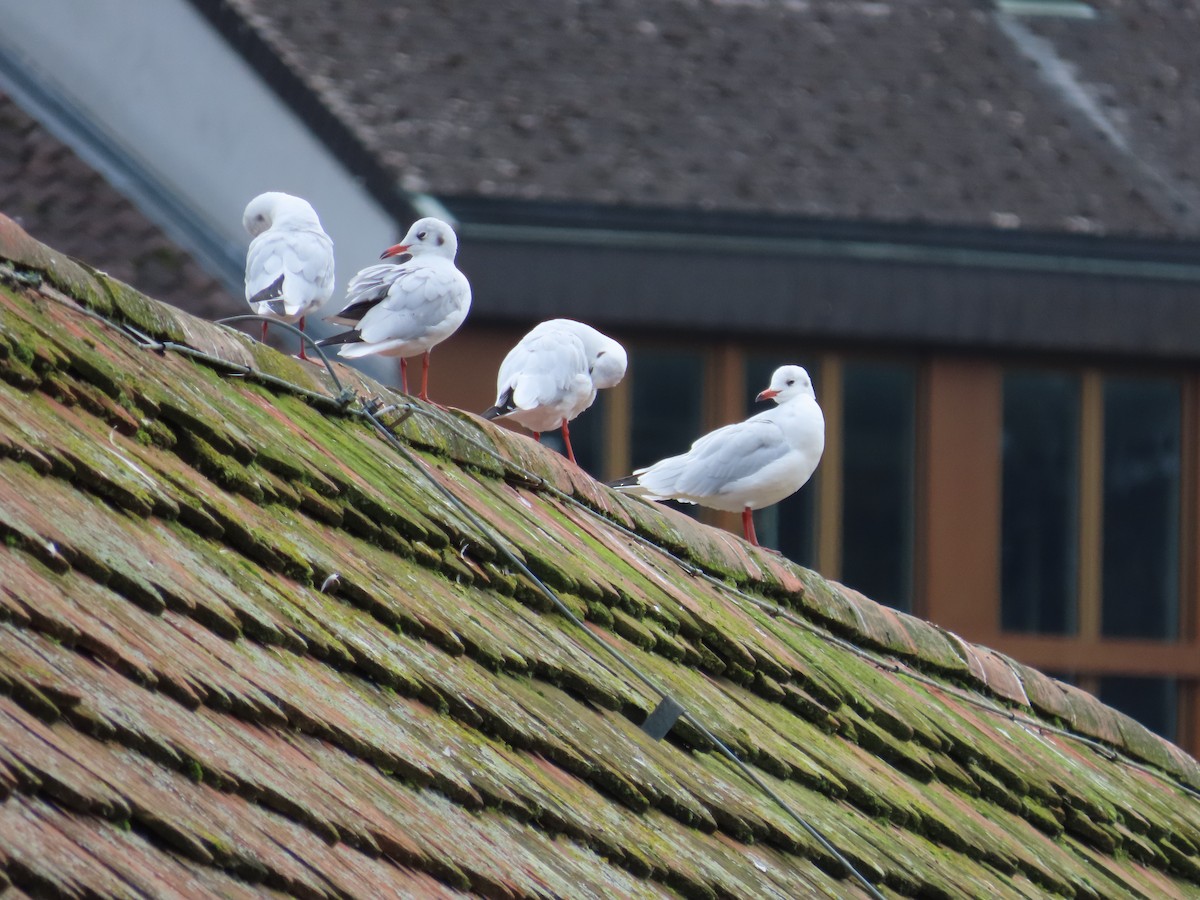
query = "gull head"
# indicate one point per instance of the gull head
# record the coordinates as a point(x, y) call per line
point(608, 363)
point(428, 235)
point(276, 209)
point(606, 358)
point(787, 383)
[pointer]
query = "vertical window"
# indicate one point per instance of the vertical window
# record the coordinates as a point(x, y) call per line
point(1152, 701)
point(879, 401)
point(790, 525)
point(667, 406)
point(1142, 438)
point(1040, 486)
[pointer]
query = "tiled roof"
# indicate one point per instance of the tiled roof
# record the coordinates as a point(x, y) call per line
point(894, 111)
point(184, 711)
point(58, 197)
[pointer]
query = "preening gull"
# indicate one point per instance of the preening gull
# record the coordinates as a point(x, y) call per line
point(552, 375)
point(747, 465)
point(289, 266)
point(409, 305)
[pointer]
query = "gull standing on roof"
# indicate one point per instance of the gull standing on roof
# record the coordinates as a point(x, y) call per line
point(409, 305)
point(289, 266)
point(747, 465)
point(552, 375)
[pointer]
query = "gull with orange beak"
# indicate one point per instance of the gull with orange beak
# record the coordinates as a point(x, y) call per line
point(408, 305)
point(747, 465)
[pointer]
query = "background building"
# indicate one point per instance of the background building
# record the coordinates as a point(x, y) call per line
point(976, 222)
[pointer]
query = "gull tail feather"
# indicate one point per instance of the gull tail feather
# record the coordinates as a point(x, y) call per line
point(346, 337)
point(272, 295)
point(503, 407)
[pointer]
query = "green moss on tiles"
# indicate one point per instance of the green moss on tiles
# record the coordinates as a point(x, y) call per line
point(1090, 831)
point(316, 505)
point(19, 374)
point(1180, 863)
point(1044, 819)
point(72, 277)
point(453, 566)
point(991, 789)
point(222, 468)
point(767, 687)
point(159, 434)
point(150, 317)
point(633, 630)
point(92, 368)
point(600, 614)
point(907, 757)
point(739, 674)
point(709, 661)
point(270, 549)
point(99, 476)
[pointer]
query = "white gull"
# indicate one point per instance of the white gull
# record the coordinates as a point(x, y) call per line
point(409, 305)
point(552, 375)
point(747, 465)
point(289, 266)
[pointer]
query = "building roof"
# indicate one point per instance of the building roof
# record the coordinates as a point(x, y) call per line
point(950, 113)
point(59, 197)
point(249, 642)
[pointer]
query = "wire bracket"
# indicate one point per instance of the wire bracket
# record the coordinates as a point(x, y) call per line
point(662, 718)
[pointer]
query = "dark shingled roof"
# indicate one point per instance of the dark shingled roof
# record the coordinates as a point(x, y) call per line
point(906, 110)
point(183, 711)
point(59, 198)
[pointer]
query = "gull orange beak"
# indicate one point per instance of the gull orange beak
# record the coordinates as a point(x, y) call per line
point(768, 394)
point(394, 250)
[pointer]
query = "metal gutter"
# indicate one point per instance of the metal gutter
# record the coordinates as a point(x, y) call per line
point(828, 248)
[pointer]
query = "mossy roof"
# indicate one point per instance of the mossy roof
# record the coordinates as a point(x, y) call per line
point(184, 710)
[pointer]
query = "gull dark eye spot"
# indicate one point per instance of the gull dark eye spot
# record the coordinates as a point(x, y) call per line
point(791, 381)
point(421, 235)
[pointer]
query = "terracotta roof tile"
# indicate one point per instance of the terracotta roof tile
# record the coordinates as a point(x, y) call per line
point(182, 708)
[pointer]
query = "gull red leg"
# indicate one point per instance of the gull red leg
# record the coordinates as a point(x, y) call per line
point(424, 395)
point(748, 525)
point(264, 332)
point(567, 440)
point(302, 356)
point(404, 374)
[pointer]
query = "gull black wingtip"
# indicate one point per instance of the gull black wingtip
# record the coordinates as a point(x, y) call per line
point(346, 337)
point(272, 291)
point(627, 481)
point(503, 408)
